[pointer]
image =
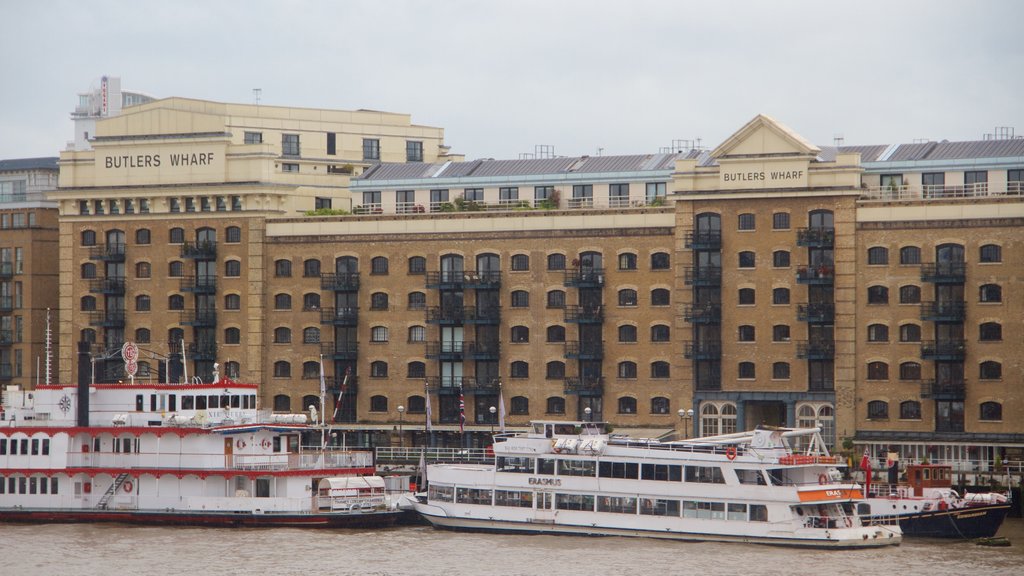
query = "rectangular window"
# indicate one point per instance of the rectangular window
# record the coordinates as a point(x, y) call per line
point(289, 167)
point(1015, 181)
point(438, 197)
point(473, 194)
point(83, 209)
point(413, 151)
point(656, 192)
point(618, 195)
point(780, 221)
point(747, 222)
point(332, 140)
point(542, 193)
point(290, 144)
point(254, 137)
point(508, 194)
point(371, 200)
point(371, 149)
point(322, 203)
point(934, 183)
point(405, 201)
point(175, 205)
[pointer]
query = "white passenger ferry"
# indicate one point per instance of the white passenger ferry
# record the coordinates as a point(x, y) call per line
point(574, 478)
point(198, 454)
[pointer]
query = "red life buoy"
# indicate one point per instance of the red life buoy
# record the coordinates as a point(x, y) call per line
point(822, 479)
point(730, 452)
point(265, 444)
point(240, 443)
point(128, 486)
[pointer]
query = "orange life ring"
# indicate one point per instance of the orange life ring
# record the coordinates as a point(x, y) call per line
point(128, 486)
point(822, 479)
point(730, 452)
point(240, 443)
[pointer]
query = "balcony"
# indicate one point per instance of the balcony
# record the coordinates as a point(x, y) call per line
point(6, 338)
point(702, 350)
point(583, 277)
point(459, 315)
point(704, 276)
point(340, 350)
point(704, 240)
point(445, 385)
point(483, 350)
point(944, 273)
point(487, 280)
point(474, 385)
point(951, 349)
point(348, 316)
point(584, 350)
point(815, 350)
point(340, 282)
point(703, 313)
point(944, 311)
point(107, 252)
point(107, 319)
point(816, 237)
point(6, 270)
point(593, 386)
point(823, 275)
point(199, 250)
point(446, 280)
point(198, 318)
point(199, 284)
point(818, 313)
point(202, 351)
point(449, 350)
point(946, 390)
point(584, 314)
point(113, 285)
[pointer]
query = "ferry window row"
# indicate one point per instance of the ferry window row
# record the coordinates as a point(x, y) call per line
point(207, 402)
point(25, 446)
point(29, 485)
point(611, 469)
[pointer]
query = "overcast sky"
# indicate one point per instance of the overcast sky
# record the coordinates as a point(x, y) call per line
point(627, 76)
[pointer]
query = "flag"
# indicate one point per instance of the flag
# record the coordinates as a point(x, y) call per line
point(501, 411)
point(462, 412)
point(865, 465)
point(430, 413)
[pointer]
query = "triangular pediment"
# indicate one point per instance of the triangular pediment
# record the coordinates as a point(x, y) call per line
point(764, 136)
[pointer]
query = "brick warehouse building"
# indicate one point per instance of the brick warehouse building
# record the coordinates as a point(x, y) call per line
point(863, 289)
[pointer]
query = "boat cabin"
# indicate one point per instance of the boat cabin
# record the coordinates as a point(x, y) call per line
point(921, 476)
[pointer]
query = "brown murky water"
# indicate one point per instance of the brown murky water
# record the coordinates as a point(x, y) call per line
point(105, 550)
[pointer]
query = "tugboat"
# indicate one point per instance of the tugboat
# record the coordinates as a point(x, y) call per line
point(927, 505)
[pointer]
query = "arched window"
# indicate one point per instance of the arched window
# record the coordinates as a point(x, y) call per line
point(910, 294)
point(379, 265)
point(379, 334)
point(878, 295)
point(817, 415)
point(556, 334)
point(627, 261)
point(87, 335)
point(627, 369)
point(990, 253)
point(780, 259)
point(660, 333)
point(142, 236)
point(520, 369)
point(232, 335)
point(991, 411)
point(780, 333)
point(556, 299)
point(142, 335)
point(520, 334)
point(233, 235)
point(282, 268)
point(310, 301)
point(746, 221)
point(660, 297)
point(175, 269)
point(310, 370)
point(660, 369)
point(417, 265)
point(717, 418)
point(175, 336)
point(627, 405)
point(88, 237)
point(659, 405)
point(780, 371)
point(910, 255)
point(878, 410)
point(282, 335)
point(878, 255)
point(346, 265)
point(627, 297)
point(780, 296)
point(417, 334)
point(990, 332)
point(379, 369)
point(660, 261)
point(747, 259)
point(747, 333)
point(910, 333)
point(520, 299)
point(379, 301)
point(142, 303)
point(282, 369)
point(416, 404)
point(746, 371)
point(990, 370)
point(555, 370)
point(747, 296)
point(910, 371)
point(556, 262)
point(176, 236)
point(282, 302)
point(378, 403)
point(311, 335)
point(88, 270)
point(232, 268)
point(910, 410)
point(143, 270)
point(878, 371)
point(232, 369)
point(232, 302)
point(282, 403)
point(627, 333)
point(520, 406)
point(416, 369)
point(520, 262)
point(417, 301)
point(878, 333)
point(555, 405)
point(311, 268)
point(990, 293)
point(176, 302)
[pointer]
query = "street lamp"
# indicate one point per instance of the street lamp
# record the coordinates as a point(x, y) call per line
point(587, 412)
point(401, 438)
point(685, 416)
point(493, 411)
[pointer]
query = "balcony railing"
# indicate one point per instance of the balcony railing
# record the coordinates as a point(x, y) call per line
point(199, 284)
point(584, 277)
point(821, 385)
point(107, 318)
point(111, 285)
point(199, 318)
point(202, 351)
point(819, 275)
point(818, 313)
point(703, 276)
point(456, 315)
point(445, 385)
point(703, 313)
point(448, 350)
point(593, 386)
point(584, 350)
point(348, 316)
point(820, 237)
point(584, 314)
point(340, 282)
point(944, 272)
point(944, 311)
point(474, 385)
point(107, 252)
point(340, 350)
point(944, 390)
point(942, 192)
point(702, 350)
point(482, 350)
point(206, 250)
point(815, 350)
point(951, 349)
point(704, 240)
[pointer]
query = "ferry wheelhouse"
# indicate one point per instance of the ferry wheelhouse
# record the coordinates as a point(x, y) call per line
point(176, 454)
point(575, 478)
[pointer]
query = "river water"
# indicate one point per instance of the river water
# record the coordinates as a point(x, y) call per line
point(109, 549)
